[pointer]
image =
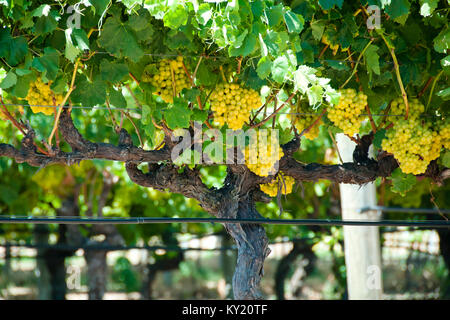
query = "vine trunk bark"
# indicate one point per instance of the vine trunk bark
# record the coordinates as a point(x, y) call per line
point(252, 243)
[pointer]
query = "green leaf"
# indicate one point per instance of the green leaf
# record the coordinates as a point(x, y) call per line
point(70, 52)
point(89, 94)
point(12, 49)
point(280, 69)
point(120, 40)
point(199, 115)
point(315, 94)
point(401, 182)
point(442, 41)
point(446, 159)
point(444, 94)
point(140, 23)
point(247, 47)
point(328, 4)
point(48, 64)
point(9, 81)
point(397, 8)
point(294, 22)
point(81, 39)
point(318, 27)
point(176, 17)
point(178, 115)
point(274, 15)
point(378, 138)
point(100, 6)
point(372, 59)
point(264, 67)
point(112, 72)
point(116, 98)
point(204, 13)
point(427, 7)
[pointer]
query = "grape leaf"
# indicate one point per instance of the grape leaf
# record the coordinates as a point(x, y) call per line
point(280, 69)
point(89, 94)
point(401, 182)
point(120, 40)
point(446, 159)
point(264, 67)
point(116, 98)
point(372, 59)
point(378, 138)
point(48, 64)
point(176, 17)
point(328, 4)
point(9, 81)
point(12, 49)
point(112, 72)
point(178, 115)
point(294, 22)
point(427, 7)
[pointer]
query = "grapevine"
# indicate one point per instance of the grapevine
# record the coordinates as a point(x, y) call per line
point(281, 182)
point(40, 94)
point(170, 80)
point(232, 104)
point(346, 114)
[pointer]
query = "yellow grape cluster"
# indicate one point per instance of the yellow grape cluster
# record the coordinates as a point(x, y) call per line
point(303, 120)
point(232, 104)
point(283, 182)
point(346, 114)
point(398, 107)
point(170, 80)
point(413, 143)
point(40, 94)
point(444, 132)
point(261, 157)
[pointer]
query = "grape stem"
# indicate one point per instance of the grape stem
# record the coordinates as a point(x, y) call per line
point(397, 73)
point(372, 123)
point(335, 145)
point(135, 128)
point(356, 65)
point(259, 124)
point(306, 130)
point(432, 89)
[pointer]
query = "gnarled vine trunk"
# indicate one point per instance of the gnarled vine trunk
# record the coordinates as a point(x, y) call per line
point(252, 244)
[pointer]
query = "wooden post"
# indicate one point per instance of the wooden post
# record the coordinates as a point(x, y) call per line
point(362, 244)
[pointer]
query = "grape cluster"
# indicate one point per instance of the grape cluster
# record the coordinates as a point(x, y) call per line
point(40, 94)
point(346, 114)
point(170, 80)
point(303, 119)
point(444, 132)
point(413, 143)
point(282, 182)
point(398, 107)
point(261, 157)
point(232, 104)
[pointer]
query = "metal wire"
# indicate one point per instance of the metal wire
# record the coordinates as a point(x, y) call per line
point(404, 210)
point(67, 107)
point(160, 220)
point(138, 109)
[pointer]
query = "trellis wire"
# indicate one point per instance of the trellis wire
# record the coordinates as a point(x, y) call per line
point(161, 220)
point(138, 109)
point(404, 210)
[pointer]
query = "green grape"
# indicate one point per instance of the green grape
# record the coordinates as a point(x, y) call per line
point(261, 157)
point(232, 104)
point(346, 114)
point(414, 144)
point(415, 107)
point(170, 80)
point(302, 121)
point(40, 94)
point(283, 182)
